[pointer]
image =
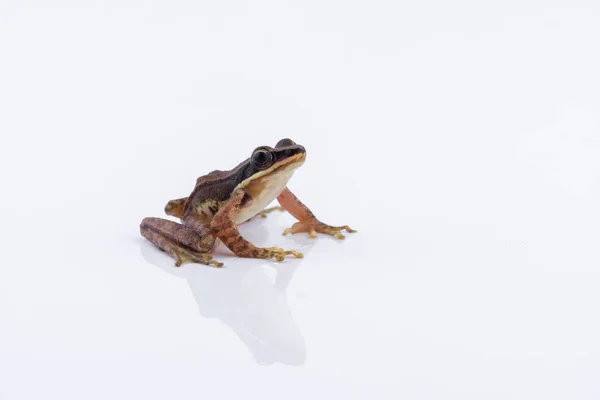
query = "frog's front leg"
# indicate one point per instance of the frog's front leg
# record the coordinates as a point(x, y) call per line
point(191, 242)
point(224, 226)
point(307, 222)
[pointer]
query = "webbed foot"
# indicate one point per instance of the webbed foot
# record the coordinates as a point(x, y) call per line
point(183, 256)
point(279, 253)
point(313, 226)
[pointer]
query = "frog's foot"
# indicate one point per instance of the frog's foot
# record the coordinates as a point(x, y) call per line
point(313, 226)
point(183, 256)
point(279, 254)
point(263, 213)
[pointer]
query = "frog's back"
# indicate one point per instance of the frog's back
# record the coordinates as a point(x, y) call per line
point(210, 191)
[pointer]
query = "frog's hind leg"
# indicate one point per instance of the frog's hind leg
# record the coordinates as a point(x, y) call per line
point(184, 243)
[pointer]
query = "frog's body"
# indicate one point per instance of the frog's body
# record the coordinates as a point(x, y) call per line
point(223, 199)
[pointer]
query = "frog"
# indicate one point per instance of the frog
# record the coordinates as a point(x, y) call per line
point(222, 200)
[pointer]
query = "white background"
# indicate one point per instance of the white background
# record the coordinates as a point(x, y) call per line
point(462, 140)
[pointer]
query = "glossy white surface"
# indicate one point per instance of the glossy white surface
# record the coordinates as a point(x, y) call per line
point(461, 140)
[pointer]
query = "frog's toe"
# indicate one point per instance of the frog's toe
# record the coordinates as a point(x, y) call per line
point(279, 253)
point(312, 227)
point(185, 256)
point(334, 230)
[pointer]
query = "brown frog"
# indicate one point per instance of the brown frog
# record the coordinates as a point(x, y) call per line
point(222, 200)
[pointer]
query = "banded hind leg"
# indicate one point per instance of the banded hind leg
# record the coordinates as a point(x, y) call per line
point(190, 242)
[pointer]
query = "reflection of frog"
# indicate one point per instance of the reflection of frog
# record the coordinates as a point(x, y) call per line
point(223, 199)
point(248, 301)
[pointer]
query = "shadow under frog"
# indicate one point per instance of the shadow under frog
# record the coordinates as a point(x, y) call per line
point(243, 296)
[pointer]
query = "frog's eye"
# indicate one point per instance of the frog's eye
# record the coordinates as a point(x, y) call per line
point(262, 158)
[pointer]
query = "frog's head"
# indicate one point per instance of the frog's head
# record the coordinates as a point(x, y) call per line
point(281, 161)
